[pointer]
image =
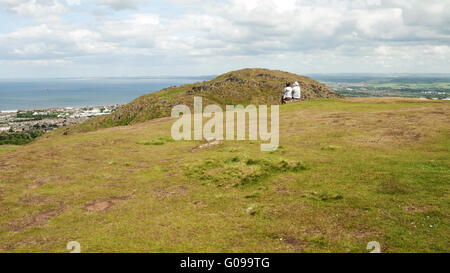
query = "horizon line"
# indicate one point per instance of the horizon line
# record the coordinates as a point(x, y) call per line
point(213, 76)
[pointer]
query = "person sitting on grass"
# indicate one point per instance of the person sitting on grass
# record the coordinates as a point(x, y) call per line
point(287, 94)
point(296, 92)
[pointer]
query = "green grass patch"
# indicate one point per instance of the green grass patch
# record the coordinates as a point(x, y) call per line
point(238, 171)
point(157, 141)
point(8, 148)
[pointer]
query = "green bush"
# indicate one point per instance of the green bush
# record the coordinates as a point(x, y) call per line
point(29, 115)
point(19, 138)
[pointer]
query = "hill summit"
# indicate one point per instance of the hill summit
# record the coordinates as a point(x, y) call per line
point(245, 86)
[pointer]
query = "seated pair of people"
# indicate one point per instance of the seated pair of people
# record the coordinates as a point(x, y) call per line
point(292, 92)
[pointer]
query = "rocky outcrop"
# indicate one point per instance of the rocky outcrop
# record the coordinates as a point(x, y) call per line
point(258, 86)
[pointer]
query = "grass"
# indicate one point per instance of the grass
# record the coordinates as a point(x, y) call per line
point(240, 172)
point(157, 141)
point(350, 171)
point(8, 148)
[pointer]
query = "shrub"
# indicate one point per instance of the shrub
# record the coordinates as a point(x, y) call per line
point(19, 138)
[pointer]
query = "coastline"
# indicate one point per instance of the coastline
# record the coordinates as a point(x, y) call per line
point(30, 94)
point(48, 119)
point(55, 108)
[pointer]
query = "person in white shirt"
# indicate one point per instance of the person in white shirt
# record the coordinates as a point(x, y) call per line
point(287, 94)
point(296, 92)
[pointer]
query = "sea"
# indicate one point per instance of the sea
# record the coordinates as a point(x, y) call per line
point(26, 94)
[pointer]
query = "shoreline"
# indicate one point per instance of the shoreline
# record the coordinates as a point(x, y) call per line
point(48, 119)
point(55, 108)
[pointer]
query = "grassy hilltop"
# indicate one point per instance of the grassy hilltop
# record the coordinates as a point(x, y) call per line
point(349, 171)
point(246, 86)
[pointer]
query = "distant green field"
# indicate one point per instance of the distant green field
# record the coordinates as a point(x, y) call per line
point(414, 86)
point(389, 86)
point(438, 90)
point(8, 148)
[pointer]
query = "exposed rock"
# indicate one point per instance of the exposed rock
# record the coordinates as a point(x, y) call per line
point(208, 145)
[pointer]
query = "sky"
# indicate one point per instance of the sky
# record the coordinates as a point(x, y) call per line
point(124, 38)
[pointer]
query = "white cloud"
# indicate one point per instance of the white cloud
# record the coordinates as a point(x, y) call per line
point(34, 8)
point(73, 2)
point(424, 13)
point(53, 41)
point(377, 33)
point(121, 4)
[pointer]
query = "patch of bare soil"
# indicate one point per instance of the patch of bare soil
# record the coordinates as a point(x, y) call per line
point(336, 116)
point(360, 234)
point(8, 247)
point(33, 199)
point(394, 133)
point(200, 204)
point(172, 163)
point(208, 145)
point(297, 244)
point(414, 208)
point(137, 166)
point(402, 135)
point(417, 136)
point(42, 218)
point(38, 219)
point(39, 182)
point(103, 205)
point(283, 190)
point(50, 155)
point(167, 193)
point(170, 174)
point(4, 164)
point(34, 186)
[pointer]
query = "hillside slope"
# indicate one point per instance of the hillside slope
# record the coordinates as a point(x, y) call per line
point(246, 86)
point(349, 171)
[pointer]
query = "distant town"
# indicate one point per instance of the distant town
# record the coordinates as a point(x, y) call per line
point(433, 86)
point(49, 119)
point(374, 90)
